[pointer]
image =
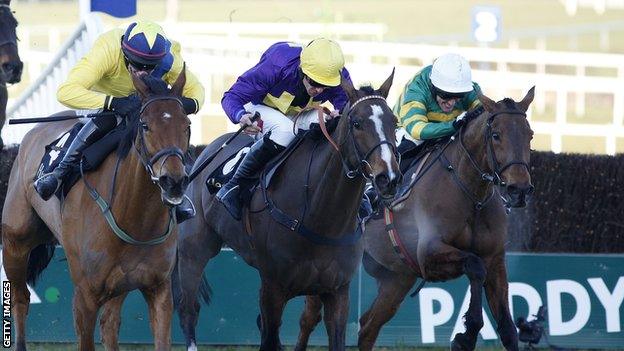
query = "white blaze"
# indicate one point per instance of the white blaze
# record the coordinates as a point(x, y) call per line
point(386, 152)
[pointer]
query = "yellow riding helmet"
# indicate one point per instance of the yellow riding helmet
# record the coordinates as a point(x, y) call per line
point(322, 61)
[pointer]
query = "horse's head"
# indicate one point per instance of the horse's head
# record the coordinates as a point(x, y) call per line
point(370, 124)
point(508, 138)
point(10, 63)
point(163, 135)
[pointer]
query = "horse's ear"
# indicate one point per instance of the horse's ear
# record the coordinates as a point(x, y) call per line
point(140, 86)
point(178, 86)
point(488, 104)
point(526, 101)
point(385, 87)
point(348, 88)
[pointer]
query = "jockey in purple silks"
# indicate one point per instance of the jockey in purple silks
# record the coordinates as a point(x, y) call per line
point(287, 79)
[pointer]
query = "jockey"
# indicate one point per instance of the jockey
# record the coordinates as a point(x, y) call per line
point(432, 105)
point(102, 80)
point(434, 102)
point(287, 79)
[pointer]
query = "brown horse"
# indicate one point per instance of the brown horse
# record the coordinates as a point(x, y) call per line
point(327, 185)
point(104, 264)
point(452, 223)
point(10, 64)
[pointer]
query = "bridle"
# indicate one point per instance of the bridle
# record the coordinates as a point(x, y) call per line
point(363, 164)
point(495, 175)
point(163, 154)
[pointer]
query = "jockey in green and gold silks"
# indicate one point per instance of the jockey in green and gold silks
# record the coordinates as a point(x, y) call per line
point(433, 99)
point(102, 80)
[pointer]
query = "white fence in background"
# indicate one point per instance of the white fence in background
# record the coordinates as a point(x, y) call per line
point(600, 6)
point(219, 57)
point(40, 98)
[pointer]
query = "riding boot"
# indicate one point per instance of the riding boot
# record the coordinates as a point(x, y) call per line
point(246, 174)
point(49, 183)
point(185, 210)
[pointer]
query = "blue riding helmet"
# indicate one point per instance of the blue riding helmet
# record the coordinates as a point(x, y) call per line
point(144, 44)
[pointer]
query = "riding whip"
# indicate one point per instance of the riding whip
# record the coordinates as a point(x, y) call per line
point(58, 118)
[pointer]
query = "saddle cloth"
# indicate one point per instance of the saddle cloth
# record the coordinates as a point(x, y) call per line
point(92, 156)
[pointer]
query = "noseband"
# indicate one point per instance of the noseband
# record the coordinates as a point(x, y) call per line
point(162, 154)
point(353, 172)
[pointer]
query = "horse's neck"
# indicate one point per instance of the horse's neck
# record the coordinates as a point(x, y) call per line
point(473, 139)
point(336, 199)
point(137, 205)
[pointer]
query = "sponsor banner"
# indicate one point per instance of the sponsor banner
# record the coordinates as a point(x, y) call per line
point(583, 293)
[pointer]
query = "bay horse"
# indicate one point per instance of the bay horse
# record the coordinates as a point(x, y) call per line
point(143, 180)
point(452, 223)
point(10, 63)
point(324, 182)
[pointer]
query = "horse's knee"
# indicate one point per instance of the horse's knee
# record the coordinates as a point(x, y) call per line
point(474, 268)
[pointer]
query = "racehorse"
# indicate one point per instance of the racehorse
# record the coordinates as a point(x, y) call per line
point(452, 223)
point(323, 179)
point(112, 248)
point(10, 64)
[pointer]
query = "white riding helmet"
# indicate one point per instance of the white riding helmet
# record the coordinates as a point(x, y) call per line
point(451, 73)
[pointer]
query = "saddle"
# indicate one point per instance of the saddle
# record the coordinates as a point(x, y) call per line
point(224, 166)
point(91, 159)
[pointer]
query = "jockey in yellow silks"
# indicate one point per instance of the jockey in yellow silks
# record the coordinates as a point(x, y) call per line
point(102, 80)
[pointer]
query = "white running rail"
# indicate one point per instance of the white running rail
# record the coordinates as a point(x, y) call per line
point(40, 98)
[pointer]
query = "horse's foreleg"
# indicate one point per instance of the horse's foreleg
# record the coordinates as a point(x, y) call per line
point(272, 303)
point(85, 315)
point(441, 262)
point(335, 315)
point(15, 262)
point(392, 290)
point(160, 305)
point(474, 269)
point(110, 321)
point(310, 317)
point(194, 251)
point(496, 291)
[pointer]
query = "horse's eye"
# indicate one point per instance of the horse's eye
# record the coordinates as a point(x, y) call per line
point(496, 136)
point(356, 125)
point(145, 127)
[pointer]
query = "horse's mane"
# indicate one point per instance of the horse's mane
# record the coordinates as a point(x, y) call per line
point(156, 86)
point(509, 103)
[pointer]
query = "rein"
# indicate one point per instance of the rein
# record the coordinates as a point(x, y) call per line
point(147, 162)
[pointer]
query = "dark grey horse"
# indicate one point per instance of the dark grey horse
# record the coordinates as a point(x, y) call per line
point(324, 181)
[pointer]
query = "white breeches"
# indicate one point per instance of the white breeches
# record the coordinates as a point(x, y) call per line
point(280, 125)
